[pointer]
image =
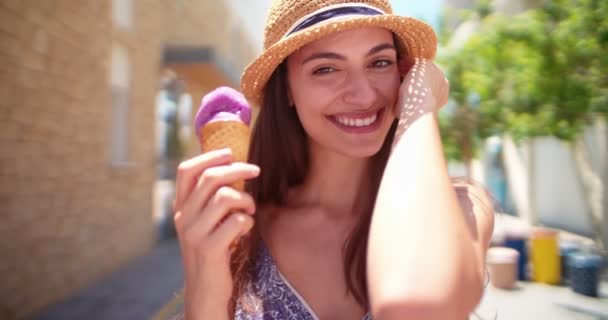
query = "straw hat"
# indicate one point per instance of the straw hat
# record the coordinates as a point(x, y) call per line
point(291, 24)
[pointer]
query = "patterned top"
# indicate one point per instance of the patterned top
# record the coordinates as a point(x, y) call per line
point(279, 300)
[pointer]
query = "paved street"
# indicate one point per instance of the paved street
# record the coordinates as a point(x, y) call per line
point(136, 292)
point(535, 301)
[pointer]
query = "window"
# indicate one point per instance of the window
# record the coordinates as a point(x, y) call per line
point(122, 13)
point(120, 79)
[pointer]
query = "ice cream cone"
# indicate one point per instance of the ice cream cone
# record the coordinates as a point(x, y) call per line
point(231, 134)
point(222, 121)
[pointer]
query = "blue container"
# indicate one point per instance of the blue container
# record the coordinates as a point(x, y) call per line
point(566, 249)
point(519, 244)
point(584, 271)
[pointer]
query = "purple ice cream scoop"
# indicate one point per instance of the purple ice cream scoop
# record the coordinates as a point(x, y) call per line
point(222, 104)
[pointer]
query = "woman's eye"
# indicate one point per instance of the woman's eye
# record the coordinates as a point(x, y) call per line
point(323, 70)
point(382, 63)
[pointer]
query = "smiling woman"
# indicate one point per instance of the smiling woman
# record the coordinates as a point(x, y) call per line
point(349, 210)
point(344, 87)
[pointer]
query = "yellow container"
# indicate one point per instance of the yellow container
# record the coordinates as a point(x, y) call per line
point(545, 258)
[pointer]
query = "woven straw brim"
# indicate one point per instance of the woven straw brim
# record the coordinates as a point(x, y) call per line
point(418, 40)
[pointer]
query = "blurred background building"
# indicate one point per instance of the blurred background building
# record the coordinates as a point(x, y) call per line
point(541, 179)
point(92, 94)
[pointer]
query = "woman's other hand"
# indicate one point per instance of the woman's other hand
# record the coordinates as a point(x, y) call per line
point(424, 89)
point(209, 216)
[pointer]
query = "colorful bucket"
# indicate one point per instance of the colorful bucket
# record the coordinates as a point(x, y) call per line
point(545, 256)
point(584, 271)
point(502, 266)
point(517, 239)
point(566, 249)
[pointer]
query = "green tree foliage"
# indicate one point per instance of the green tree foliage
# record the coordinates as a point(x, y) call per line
point(542, 72)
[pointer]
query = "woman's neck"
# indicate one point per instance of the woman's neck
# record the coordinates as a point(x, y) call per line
point(333, 182)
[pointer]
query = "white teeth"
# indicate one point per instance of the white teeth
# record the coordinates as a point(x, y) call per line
point(357, 122)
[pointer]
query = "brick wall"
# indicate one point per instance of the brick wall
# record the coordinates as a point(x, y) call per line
point(70, 216)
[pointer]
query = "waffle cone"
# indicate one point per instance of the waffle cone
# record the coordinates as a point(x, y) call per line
point(227, 134)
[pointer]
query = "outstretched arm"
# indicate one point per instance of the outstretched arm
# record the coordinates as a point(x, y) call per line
point(428, 237)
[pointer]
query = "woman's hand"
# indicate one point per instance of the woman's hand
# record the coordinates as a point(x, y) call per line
point(209, 216)
point(424, 89)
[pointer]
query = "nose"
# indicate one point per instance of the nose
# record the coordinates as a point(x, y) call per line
point(360, 90)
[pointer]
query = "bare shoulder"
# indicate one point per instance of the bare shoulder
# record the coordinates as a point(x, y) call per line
point(473, 196)
point(477, 204)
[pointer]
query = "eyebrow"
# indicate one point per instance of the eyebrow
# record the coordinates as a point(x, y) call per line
point(333, 55)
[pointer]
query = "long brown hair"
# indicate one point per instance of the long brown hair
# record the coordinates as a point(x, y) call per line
point(279, 146)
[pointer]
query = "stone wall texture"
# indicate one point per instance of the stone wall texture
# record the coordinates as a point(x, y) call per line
point(71, 216)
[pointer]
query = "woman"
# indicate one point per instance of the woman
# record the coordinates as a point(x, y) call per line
point(349, 213)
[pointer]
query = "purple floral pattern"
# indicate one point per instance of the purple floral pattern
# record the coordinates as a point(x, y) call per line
point(278, 299)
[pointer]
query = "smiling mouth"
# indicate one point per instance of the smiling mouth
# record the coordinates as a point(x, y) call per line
point(358, 123)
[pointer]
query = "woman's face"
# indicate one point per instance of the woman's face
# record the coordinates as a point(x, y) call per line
point(344, 87)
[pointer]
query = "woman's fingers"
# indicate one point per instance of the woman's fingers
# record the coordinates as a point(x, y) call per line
point(425, 86)
point(208, 184)
point(236, 225)
point(445, 92)
point(228, 174)
point(189, 171)
point(438, 83)
point(225, 201)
